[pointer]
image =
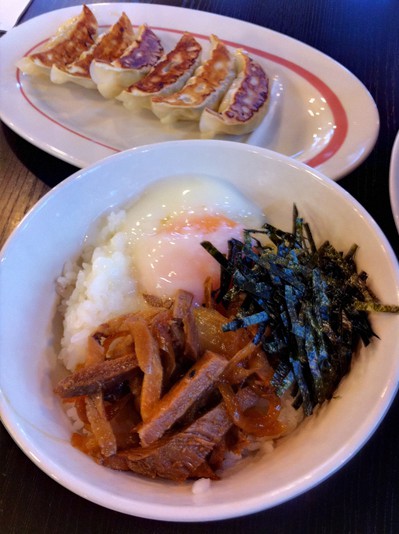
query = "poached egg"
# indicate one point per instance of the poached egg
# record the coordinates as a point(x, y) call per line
point(167, 224)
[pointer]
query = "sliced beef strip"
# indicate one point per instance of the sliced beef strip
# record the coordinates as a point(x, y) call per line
point(116, 462)
point(192, 347)
point(161, 331)
point(182, 304)
point(198, 381)
point(97, 377)
point(183, 313)
point(182, 456)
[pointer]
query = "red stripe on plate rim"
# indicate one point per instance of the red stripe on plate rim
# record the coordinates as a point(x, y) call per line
point(340, 129)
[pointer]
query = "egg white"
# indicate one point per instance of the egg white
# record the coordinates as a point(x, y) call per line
point(165, 243)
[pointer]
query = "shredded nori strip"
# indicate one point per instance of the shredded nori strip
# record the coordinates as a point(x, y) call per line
point(312, 298)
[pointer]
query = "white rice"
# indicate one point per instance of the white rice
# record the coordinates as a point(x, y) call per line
point(99, 287)
point(201, 486)
point(76, 422)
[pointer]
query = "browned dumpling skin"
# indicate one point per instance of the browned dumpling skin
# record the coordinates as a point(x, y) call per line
point(167, 76)
point(109, 46)
point(135, 62)
point(204, 89)
point(144, 53)
point(73, 38)
point(244, 105)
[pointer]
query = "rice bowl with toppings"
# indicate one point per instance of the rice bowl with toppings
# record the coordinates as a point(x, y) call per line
point(157, 383)
point(318, 447)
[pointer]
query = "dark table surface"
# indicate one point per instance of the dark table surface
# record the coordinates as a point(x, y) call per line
point(363, 496)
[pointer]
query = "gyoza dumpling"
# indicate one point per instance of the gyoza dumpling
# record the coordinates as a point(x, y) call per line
point(136, 61)
point(245, 103)
point(109, 46)
point(167, 76)
point(71, 39)
point(204, 89)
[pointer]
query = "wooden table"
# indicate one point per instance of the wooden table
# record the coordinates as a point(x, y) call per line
point(363, 496)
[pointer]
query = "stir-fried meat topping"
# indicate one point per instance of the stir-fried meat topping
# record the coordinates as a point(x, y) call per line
point(197, 382)
point(151, 405)
point(97, 377)
point(179, 457)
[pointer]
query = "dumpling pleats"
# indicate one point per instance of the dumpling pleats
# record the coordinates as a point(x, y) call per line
point(167, 76)
point(72, 38)
point(204, 89)
point(245, 103)
point(109, 46)
point(111, 78)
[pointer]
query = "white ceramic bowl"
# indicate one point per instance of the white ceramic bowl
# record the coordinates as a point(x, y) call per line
point(54, 231)
point(394, 181)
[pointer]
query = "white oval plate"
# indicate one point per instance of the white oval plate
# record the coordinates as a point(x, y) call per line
point(29, 267)
point(320, 114)
point(394, 181)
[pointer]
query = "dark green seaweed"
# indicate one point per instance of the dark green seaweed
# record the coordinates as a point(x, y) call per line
point(312, 298)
